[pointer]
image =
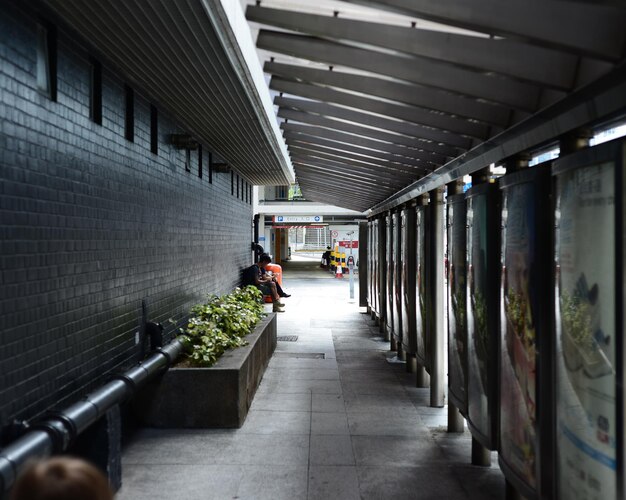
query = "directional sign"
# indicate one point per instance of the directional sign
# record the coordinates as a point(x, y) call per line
point(299, 218)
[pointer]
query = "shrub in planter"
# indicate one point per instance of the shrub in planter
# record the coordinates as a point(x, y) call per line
point(219, 324)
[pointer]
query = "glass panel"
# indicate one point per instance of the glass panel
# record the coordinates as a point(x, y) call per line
point(585, 333)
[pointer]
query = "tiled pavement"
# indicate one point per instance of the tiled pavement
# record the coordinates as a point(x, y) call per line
point(348, 426)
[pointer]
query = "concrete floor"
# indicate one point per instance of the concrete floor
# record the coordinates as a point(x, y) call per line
point(348, 425)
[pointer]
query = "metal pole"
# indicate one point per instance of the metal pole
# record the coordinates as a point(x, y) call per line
point(480, 455)
point(456, 422)
point(351, 267)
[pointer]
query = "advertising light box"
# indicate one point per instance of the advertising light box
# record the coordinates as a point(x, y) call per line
point(422, 303)
point(397, 281)
point(389, 275)
point(589, 329)
point(525, 341)
point(483, 265)
point(457, 310)
point(407, 246)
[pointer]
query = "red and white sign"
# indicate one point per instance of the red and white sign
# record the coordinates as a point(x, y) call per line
point(346, 244)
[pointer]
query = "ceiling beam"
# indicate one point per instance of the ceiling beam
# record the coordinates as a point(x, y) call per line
point(331, 172)
point(311, 119)
point(362, 142)
point(353, 170)
point(356, 201)
point(509, 93)
point(512, 58)
point(420, 134)
point(413, 114)
point(380, 168)
point(408, 93)
point(340, 149)
point(316, 178)
point(579, 27)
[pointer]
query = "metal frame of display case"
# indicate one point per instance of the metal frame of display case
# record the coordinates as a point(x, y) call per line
point(534, 237)
point(615, 153)
point(381, 266)
point(421, 310)
point(389, 276)
point(486, 434)
point(408, 257)
point(456, 249)
point(397, 283)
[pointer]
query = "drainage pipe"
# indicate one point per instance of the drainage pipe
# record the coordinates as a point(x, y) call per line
point(61, 428)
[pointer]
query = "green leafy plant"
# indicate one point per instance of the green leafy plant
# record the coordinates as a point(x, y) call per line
point(221, 323)
point(576, 317)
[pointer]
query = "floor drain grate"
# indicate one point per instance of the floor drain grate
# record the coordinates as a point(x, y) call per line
point(309, 355)
point(287, 338)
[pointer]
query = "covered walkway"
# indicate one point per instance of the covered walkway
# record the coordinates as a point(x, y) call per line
point(334, 417)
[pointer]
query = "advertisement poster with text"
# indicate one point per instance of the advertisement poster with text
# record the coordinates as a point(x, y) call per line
point(518, 342)
point(585, 330)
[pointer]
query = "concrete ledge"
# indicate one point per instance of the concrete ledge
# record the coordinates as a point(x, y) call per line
point(219, 396)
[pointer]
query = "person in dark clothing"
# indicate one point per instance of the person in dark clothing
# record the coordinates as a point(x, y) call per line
point(253, 275)
point(265, 272)
point(326, 258)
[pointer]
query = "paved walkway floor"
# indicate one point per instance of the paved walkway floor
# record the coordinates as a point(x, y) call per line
point(333, 418)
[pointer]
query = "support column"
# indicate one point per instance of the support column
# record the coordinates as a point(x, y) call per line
point(411, 363)
point(575, 141)
point(511, 493)
point(480, 455)
point(516, 163)
point(422, 379)
point(456, 422)
point(401, 353)
point(437, 327)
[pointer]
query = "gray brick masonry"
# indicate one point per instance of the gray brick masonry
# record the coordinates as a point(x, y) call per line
point(91, 225)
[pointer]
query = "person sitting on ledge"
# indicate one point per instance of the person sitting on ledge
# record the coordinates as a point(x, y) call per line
point(267, 273)
point(254, 276)
point(61, 478)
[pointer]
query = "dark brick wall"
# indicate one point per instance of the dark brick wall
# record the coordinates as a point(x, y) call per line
point(91, 225)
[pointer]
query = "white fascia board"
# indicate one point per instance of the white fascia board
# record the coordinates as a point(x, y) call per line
point(298, 208)
point(232, 27)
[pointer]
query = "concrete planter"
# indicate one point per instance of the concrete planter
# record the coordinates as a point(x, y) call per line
point(219, 396)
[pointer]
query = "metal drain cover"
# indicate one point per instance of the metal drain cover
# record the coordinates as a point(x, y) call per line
point(309, 355)
point(287, 338)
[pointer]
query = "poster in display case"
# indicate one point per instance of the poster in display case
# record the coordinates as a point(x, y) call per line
point(589, 329)
point(525, 329)
point(409, 342)
point(457, 311)
point(374, 260)
point(421, 287)
point(389, 281)
point(482, 298)
point(381, 266)
point(397, 278)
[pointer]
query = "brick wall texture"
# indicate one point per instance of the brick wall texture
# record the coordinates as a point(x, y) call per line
point(93, 225)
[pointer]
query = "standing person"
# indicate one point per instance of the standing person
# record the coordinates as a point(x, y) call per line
point(326, 258)
point(61, 478)
point(253, 275)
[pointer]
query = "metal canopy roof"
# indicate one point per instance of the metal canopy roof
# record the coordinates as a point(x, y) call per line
point(186, 56)
point(372, 100)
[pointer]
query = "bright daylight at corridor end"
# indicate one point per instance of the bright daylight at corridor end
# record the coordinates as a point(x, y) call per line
point(284, 249)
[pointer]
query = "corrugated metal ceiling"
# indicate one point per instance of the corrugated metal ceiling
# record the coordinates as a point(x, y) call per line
point(375, 98)
point(178, 52)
